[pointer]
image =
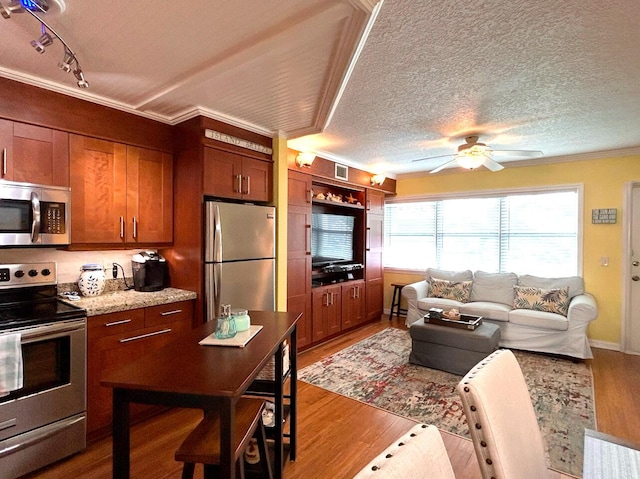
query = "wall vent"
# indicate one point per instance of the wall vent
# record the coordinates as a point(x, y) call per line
point(342, 172)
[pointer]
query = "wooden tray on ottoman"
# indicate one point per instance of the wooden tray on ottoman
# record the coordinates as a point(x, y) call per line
point(466, 321)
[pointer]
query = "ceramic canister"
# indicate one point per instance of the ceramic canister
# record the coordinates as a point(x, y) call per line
point(92, 279)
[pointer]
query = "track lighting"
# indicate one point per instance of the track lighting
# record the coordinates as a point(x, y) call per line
point(65, 64)
point(48, 34)
point(82, 83)
point(13, 7)
point(44, 41)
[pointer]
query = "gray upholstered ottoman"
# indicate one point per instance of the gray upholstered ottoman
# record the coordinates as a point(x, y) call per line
point(451, 349)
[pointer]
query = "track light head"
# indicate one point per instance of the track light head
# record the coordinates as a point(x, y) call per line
point(43, 42)
point(82, 83)
point(65, 64)
point(12, 7)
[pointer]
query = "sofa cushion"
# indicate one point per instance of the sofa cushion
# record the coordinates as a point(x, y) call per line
point(465, 275)
point(425, 304)
point(458, 290)
point(548, 300)
point(575, 283)
point(493, 287)
point(539, 319)
point(495, 311)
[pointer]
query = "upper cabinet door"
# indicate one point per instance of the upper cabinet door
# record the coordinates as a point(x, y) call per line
point(33, 154)
point(375, 202)
point(98, 190)
point(149, 196)
point(230, 175)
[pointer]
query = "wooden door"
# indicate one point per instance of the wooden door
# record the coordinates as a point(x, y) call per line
point(256, 179)
point(222, 173)
point(299, 193)
point(149, 196)
point(98, 190)
point(353, 304)
point(373, 255)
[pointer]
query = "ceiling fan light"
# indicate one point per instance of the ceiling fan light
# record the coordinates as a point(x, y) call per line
point(470, 162)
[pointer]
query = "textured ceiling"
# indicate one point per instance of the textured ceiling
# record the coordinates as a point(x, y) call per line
point(560, 77)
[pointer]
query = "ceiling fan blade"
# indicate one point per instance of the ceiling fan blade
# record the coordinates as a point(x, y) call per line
point(492, 165)
point(434, 157)
point(445, 165)
point(517, 153)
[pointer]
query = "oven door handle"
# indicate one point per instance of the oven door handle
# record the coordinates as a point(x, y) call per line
point(51, 331)
point(35, 210)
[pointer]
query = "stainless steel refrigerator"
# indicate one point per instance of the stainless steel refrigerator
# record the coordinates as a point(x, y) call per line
point(240, 265)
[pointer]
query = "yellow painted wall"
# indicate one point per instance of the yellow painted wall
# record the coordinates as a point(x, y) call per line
point(603, 181)
point(281, 193)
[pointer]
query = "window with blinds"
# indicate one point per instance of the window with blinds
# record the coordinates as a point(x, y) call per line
point(535, 232)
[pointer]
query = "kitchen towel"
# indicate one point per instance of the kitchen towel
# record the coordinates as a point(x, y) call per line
point(10, 363)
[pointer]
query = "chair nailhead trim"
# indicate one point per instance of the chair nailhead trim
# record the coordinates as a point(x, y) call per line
point(478, 426)
point(466, 389)
point(388, 456)
point(401, 444)
point(483, 444)
point(375, 468)
point(413, 434)
point(473, 408)
point(489, 461)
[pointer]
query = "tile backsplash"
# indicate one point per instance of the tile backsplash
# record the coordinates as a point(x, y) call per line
point(70, 262)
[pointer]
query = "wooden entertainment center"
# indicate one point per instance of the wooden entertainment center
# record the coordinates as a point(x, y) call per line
point(334, 296)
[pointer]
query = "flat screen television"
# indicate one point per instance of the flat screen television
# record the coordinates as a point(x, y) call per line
point(332, 238)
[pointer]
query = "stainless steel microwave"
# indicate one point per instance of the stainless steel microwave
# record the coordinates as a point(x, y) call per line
point(34, 215)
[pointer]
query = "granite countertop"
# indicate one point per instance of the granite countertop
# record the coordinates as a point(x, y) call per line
point(121, 300)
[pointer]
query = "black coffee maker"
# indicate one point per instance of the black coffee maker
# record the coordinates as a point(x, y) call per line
point(150, 271)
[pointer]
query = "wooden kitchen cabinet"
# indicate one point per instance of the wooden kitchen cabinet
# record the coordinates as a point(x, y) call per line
point(116, 339)
point(327, 311)
point(33, 154)
point(299, 254)
point(231, 175)
point(120, 194)
point(353, 304)
point(374, 244)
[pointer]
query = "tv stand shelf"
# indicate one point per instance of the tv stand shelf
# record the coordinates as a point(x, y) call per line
point(342, 204)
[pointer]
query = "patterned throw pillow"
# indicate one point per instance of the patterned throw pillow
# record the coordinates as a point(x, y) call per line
point(458, 290)
point(548, 300)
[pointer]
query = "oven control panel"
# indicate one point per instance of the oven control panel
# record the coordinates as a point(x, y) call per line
point(27, 274)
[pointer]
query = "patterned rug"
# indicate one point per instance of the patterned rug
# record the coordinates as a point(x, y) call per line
point(376, 371)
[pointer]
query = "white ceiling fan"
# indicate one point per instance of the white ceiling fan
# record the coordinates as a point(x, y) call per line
point(473, 154)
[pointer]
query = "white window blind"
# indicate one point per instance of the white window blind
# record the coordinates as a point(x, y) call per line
point(332, 237)
point(528, 232)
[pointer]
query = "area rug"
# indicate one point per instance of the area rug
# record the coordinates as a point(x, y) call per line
point(376, 371)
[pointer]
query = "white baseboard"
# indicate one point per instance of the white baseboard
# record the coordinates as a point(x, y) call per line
point(595, 343)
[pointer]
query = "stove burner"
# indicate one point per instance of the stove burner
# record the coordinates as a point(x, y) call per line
point(28, 296)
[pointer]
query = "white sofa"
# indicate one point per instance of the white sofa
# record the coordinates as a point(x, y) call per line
point(492, 296)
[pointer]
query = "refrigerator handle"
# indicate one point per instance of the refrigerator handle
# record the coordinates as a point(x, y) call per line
point(217, 281)
point(217, 235)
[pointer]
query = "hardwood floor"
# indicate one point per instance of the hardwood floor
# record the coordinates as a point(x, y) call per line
point(337, 435)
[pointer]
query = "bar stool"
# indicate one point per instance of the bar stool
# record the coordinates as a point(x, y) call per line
point(395, 301)
point(202, 445)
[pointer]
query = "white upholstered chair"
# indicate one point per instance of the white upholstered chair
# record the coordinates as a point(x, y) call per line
point(418, 454)
point(502, 423)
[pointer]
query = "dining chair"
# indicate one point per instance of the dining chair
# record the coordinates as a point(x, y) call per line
point(202, 445)
point(502, 422)
point(418, 454)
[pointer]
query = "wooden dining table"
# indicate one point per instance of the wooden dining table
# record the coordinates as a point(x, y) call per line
point(186, 374)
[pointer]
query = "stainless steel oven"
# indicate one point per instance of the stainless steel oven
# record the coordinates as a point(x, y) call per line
point(45, 419)
point(34, 215)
